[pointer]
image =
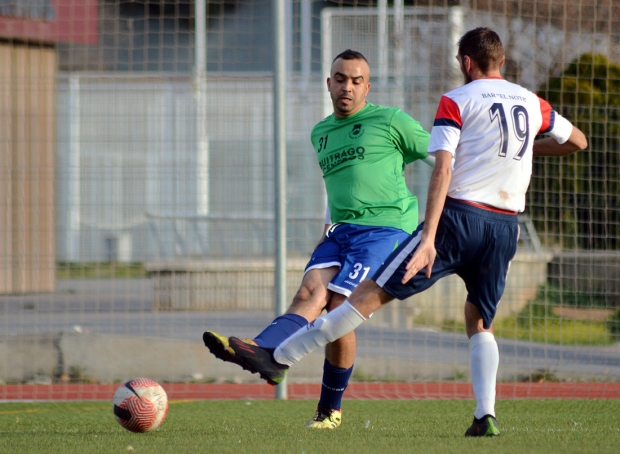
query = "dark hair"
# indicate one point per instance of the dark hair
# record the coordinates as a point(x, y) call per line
point(483, 46)
point(350, 55)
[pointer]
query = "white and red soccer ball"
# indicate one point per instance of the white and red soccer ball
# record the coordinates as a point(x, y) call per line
point(140, 405)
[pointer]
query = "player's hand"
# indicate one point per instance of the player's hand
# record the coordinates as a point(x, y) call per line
point(424, 257)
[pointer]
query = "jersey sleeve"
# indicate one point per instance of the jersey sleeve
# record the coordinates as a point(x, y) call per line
point(409, 137)
point(446, 130)
point(554, 124)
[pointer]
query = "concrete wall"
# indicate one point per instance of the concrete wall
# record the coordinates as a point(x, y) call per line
point(248, 285)
point(595, 272)
point(100, 358)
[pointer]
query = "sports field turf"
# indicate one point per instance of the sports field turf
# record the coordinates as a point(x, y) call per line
point(270, 426)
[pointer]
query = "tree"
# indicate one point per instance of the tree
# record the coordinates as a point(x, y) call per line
point(575, 201)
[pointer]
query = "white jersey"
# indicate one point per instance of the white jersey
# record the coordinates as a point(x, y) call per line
point(489, 126)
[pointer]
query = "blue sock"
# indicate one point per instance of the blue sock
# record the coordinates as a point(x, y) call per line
point(281, 328)
point(335, 381)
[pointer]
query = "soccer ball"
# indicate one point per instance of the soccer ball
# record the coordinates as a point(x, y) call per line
point(140, 405)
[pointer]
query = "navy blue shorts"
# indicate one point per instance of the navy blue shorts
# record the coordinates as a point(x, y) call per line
point(358, 250)
point(473, 243)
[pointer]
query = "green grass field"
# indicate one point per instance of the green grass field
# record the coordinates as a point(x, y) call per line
point(386, 426)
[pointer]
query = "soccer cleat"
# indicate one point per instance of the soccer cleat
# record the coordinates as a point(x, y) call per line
point(325, 418)
point(258, 360)
point(220, 348)
point(484, 427)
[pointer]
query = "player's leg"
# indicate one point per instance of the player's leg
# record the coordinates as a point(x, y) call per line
point(484, 362)
point(485, 279)
point(272, 365)
point(311, 298)
point(337, 369)
point(368, 297)
point(308, 303)
point(363, 250)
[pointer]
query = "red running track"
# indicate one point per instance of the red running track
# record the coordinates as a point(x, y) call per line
point(440, 390)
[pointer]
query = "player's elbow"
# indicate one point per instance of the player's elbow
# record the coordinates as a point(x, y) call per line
point(582, 143)
point(575, 143)
point(578, 140)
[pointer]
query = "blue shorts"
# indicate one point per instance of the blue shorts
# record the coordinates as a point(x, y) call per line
point(358, 250)
point(473, 243)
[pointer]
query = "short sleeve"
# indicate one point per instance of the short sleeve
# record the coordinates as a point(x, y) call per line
point(409, 137)
point(561, 128)
point(446, 131)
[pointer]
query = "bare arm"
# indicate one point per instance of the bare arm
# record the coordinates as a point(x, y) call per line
point(424, 256)
point(550, 147)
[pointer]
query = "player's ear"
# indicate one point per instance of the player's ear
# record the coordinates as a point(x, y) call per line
point(467, 63)
point(329, 83)
point(501, 63)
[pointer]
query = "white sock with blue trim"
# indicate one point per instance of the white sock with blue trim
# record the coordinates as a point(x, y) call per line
point(319, 333)
point(484, 361)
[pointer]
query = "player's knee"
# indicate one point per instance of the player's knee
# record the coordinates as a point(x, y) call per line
point(303, 294)
point(315, 299)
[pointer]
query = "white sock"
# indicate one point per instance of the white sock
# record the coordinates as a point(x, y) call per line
point(319, 333)
point(484, 361)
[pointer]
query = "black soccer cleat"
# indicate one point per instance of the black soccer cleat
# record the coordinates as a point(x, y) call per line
point(258, 360)
point(484, 427)
point(220, 348)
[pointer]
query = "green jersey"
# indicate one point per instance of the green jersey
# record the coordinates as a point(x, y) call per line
point(363, 160)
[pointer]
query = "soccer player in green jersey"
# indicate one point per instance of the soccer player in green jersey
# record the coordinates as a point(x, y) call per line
point(362, 150)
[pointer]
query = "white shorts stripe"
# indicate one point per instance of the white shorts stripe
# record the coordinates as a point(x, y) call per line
point(394, 264)
point(320, 266)
point(337, 289)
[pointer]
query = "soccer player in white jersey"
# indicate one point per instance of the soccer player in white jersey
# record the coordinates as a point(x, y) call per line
point(487, 127)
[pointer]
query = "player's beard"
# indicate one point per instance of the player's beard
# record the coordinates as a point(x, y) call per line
point(466, 77)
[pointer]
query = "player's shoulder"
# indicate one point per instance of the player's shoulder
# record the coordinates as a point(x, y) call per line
point(327, 119)
point(322, 124)
point(386, 115)
point(371, 108)
point(390, 113)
